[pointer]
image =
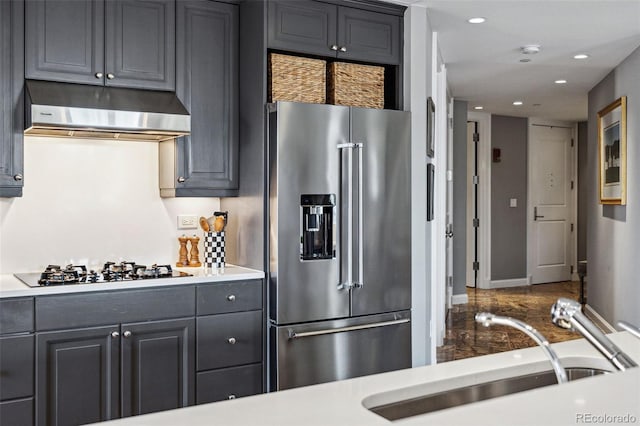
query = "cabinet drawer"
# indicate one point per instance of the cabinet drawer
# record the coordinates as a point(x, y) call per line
point(16, 366)
point(19, 413)
point(16, 315)
point(234, 296)
point(229, 339)
point(91, 309)
point(229, 383)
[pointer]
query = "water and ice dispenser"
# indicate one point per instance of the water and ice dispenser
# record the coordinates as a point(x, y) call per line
point(317, 227)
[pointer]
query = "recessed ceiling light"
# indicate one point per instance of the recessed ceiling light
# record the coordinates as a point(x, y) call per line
point(517, 102)
point(530, 49)
point(523, 60)
point(478, 20)
point(560, 81)
point(581, 56)
point(478, 107)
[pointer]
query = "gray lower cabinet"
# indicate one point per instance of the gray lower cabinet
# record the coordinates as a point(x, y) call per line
point(229, 335)
point(330, 30)
point(102, 373)
point(12, 100)
point(125, 43)
point(206, 162)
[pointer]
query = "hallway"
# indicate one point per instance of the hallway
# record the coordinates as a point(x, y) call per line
point(531, 304)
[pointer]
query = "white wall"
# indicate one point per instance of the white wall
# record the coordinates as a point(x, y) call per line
point(417, 87)
point(89, 201)
point(613, 232)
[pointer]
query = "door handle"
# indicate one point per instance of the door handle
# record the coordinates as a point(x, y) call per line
point(294, 335)
point(536, 216)
point(449, 232)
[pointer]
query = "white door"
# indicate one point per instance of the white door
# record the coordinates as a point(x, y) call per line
point(550, 195)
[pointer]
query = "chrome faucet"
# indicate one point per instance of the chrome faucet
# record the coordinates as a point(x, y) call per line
point(566, 313)
point(487, 319)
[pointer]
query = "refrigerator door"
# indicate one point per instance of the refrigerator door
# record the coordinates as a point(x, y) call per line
point(304, 181)
point(333, 350)
point(383, 212)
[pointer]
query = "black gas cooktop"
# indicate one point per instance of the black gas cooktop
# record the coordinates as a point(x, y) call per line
point(111, 272)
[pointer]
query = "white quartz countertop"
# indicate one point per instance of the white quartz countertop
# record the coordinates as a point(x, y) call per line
point(10, 286)
point(341, 403)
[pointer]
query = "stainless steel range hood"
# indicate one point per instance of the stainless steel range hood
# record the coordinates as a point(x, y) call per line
point(83, 111)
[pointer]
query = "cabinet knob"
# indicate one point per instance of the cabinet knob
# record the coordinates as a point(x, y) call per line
point(343, 49)
point(334, 47)
point(231, 340)
point(127, 333)
point(115, 334)
point(181, 179)
point(17, 177)
point(231, 298)
point(110, 76)
point(232, 396)
point(99, 75)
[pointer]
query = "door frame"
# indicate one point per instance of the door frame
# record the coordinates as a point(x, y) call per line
point(573, 199)
point(484, 198)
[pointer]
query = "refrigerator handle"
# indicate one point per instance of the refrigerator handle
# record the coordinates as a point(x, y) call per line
point(348, 283)
point(360, 282)
point(294, 335)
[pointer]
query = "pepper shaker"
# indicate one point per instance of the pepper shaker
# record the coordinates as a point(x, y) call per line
point(195, 253)
point(182, 253)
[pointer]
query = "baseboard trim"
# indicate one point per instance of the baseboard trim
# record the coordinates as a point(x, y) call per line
point(575, 277)
point(459, 299)
point(517, 282)
point(594, 316)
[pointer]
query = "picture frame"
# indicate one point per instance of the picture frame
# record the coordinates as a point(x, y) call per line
point(431, 126)
point(612, 150)
point(431, 176)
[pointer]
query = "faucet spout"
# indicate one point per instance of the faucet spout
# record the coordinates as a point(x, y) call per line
point(487, 319)
point(566, 313)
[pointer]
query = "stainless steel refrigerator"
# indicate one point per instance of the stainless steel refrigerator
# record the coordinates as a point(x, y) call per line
point(339, 242)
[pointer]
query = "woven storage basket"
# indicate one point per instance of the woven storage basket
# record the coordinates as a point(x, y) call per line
point(356, 85)
point(292, 78)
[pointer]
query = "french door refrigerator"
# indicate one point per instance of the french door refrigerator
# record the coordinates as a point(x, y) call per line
point(339, 242)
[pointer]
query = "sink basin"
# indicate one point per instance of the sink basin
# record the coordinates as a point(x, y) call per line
point(478, 392)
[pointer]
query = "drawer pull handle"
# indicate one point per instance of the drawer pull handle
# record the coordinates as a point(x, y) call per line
point(231, 340)
point(232, 396)
point(127, 333)
point(231, 298)
point(115, 334)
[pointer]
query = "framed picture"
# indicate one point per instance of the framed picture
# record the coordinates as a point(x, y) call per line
point(431, 175)
point(612, 148)
point(431, 126)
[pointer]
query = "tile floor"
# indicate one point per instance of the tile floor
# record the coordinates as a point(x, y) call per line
point(465, 338)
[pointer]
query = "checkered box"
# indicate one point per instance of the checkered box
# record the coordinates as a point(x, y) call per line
point(214, 249)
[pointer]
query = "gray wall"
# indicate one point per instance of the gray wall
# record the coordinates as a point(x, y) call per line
point(509, 180)
point(613, 232)
point(459, 197)
point(583, 190)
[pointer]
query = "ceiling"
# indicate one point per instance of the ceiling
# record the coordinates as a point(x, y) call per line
point(483, 60)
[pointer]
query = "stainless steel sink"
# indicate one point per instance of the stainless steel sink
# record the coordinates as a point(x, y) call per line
point(479, 392)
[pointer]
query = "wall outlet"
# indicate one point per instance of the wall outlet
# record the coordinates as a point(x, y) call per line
point(187, 221)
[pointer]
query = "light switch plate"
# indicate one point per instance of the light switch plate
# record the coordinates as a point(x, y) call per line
point(513, 202)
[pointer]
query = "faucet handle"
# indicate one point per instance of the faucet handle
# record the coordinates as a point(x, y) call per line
point(630, 328)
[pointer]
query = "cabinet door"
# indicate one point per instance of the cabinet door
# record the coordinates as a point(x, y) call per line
point(302, 26)
point(369, 36)
point(64, 40)
point(207, 84)
point(16, 366)
point(77, 376)
point(11, 101)
point(140, 44)
point(158, 366)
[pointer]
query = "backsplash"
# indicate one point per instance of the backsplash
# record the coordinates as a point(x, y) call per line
point(88, 201)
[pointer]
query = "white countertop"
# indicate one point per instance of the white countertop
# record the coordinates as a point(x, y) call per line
point(11, 286)
point(341, 403)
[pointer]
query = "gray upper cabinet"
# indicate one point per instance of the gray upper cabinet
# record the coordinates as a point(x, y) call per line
point(318, 28)
point(206, 162)
point(125, 43)
point(12, 100)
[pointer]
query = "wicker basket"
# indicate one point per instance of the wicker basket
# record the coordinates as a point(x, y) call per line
point(356, 85)
point(292, 78)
